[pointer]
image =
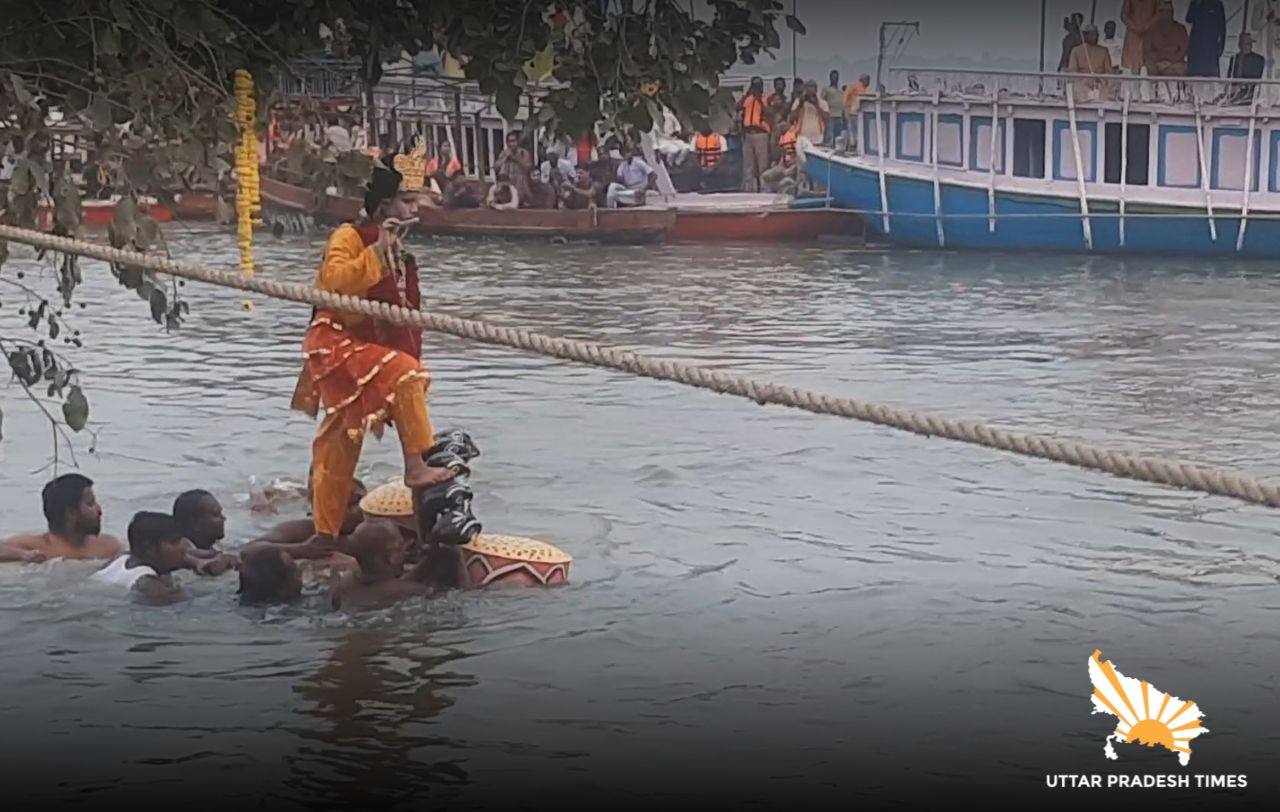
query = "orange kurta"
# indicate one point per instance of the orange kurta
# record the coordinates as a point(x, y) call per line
point(361, 372)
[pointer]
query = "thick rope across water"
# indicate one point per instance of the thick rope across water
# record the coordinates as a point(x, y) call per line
point(1118, 463)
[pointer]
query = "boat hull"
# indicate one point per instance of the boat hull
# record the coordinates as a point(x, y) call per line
point(99, 213)
point(290, 199)
point(1038, 222)
point(195, 205)
point(635, 225)
point(770, 225)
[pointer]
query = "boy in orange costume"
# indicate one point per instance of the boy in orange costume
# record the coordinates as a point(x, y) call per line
point(365, 373)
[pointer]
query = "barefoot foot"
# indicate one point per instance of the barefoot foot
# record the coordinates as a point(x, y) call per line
point(426, 477)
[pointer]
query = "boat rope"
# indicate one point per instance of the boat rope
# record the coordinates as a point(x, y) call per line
point(1122, 464)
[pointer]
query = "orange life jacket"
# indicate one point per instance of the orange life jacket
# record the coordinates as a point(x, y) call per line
point(708, 148)
point(753, 113)
point(788, 144)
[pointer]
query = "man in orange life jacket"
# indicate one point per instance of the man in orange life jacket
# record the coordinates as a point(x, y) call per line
point(782, 176)
point(710, 147)
point(755, 136)
point(365, 373)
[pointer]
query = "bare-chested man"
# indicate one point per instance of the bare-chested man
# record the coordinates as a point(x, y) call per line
point(381, 580)
point(74, 519)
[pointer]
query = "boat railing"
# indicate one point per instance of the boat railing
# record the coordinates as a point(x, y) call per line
point(1182, 93)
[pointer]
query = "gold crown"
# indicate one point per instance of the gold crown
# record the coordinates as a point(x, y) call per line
point(393, 500)
point(517, 548)
point(412, 167)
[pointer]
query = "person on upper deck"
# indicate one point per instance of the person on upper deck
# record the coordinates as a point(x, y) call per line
point(1264, 24)
point(852, 104)
point(1138, 16)
point(1074, 36)
point(1247, 64)
point(1165, 46)
point(1091, 58)
point(1208, 21)
point(1114, 45)
point(833, 95)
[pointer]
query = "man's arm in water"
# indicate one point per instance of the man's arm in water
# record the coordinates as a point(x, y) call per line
point(291, 532)
point(24, 549)
point(313, 547)
point(153, 590)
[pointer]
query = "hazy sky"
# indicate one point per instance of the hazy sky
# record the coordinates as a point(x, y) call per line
point(984, 31)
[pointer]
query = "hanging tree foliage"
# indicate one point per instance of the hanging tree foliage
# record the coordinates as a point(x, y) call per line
point(149, 85)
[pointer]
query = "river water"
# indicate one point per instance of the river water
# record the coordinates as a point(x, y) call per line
point(766, 605)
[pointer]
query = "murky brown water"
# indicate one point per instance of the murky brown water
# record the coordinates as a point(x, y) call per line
point(765, 603)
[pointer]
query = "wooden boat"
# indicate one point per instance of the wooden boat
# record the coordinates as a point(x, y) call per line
point(325, 209)
point(195, 205)
point(633, 225)
point(99, 213)
point(733, 217)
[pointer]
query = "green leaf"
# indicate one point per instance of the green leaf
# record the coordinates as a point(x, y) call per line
point(541, 65)
point(75, 409)
point(508, 101)
point(793, 22)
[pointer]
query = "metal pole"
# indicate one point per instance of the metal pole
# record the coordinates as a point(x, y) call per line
point(795, 71)
point(1244, 18)
point(1044, 13)
point(1093, 12)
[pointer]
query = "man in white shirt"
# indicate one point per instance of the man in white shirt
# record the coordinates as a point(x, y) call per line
point(1113, 44)
point(635, 175)
point(557, 165)
point(1264, 20)
point(337, 137)
point(156, 549)
point(811, 114)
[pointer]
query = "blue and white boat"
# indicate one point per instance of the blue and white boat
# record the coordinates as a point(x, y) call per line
point(1164, 164)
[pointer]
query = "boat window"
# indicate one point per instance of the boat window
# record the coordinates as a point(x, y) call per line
point(1028, 147)
point(1139, 149)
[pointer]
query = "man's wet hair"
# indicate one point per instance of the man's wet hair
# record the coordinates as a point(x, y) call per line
point(262, 575)
point(188, 505)
point(148, 530)
point(63, 494)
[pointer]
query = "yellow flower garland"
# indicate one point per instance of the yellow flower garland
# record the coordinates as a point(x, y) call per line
point(248, 197)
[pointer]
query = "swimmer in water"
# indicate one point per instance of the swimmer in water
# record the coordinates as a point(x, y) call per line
point(156, 549)
point(268, 575)
point(74, 519)
point(201, 521)
point(381, 580)
point(298, 531)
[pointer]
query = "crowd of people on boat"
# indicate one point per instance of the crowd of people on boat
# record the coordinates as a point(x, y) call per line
point(1156, 45)
point(760, 152)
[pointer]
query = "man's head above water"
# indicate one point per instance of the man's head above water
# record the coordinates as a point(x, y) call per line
point(200, 518)
point(269, 575)
point(70, 507)
point(154, 540)
point(377, 547)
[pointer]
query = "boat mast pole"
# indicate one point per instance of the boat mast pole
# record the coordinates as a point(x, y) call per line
point(1044, 16)
point(795, 70)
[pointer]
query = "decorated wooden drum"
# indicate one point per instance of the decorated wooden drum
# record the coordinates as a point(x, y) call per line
point(514, 560)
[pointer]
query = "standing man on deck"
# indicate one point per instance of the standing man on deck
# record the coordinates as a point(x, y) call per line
point(755, 136)
point(365, 373)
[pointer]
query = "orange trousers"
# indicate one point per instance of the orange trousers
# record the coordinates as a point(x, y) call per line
point(336, 451)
